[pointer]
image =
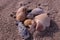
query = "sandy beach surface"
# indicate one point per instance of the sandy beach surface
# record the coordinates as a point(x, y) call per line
point(8, 29)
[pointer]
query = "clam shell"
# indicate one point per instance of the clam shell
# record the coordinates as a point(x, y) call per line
point(42, 19)
point(35, 12)
point(21, 14)
point(20, 17)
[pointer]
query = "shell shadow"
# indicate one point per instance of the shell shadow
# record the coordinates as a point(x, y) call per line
point(50, 30)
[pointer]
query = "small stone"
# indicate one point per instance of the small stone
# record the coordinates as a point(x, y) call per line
point(11, 15)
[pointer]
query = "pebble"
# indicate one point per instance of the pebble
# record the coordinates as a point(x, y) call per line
point(24, 33)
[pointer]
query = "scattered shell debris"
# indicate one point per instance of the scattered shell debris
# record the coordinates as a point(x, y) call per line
point(35, 19)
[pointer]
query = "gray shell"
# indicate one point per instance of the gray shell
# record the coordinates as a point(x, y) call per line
point(35, 12)
point(23, 31)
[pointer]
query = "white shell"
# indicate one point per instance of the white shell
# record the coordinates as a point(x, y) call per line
point(43, 19)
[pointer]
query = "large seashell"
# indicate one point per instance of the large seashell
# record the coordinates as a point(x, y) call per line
point(42, 21)
point(21, 14)
point(35, 12)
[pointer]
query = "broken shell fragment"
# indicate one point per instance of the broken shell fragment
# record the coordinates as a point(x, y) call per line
point(35, 12)
point(42, 21)
point(21, 14)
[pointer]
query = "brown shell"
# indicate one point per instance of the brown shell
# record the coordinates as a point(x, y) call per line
point(21, 14)
point(20, 17)
point(27, 22)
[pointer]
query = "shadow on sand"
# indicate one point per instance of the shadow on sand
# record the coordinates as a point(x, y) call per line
point(51, 30)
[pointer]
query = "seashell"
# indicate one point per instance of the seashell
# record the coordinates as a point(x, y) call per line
point(35, 12)
point(42, 21)
point(21, 14)
point(23, 31)
point(28, 22)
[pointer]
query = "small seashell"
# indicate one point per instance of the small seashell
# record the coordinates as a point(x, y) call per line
point(35, 12)
point(28, 22)
point(11, 15)
point(21, 14)
point(42, 21)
